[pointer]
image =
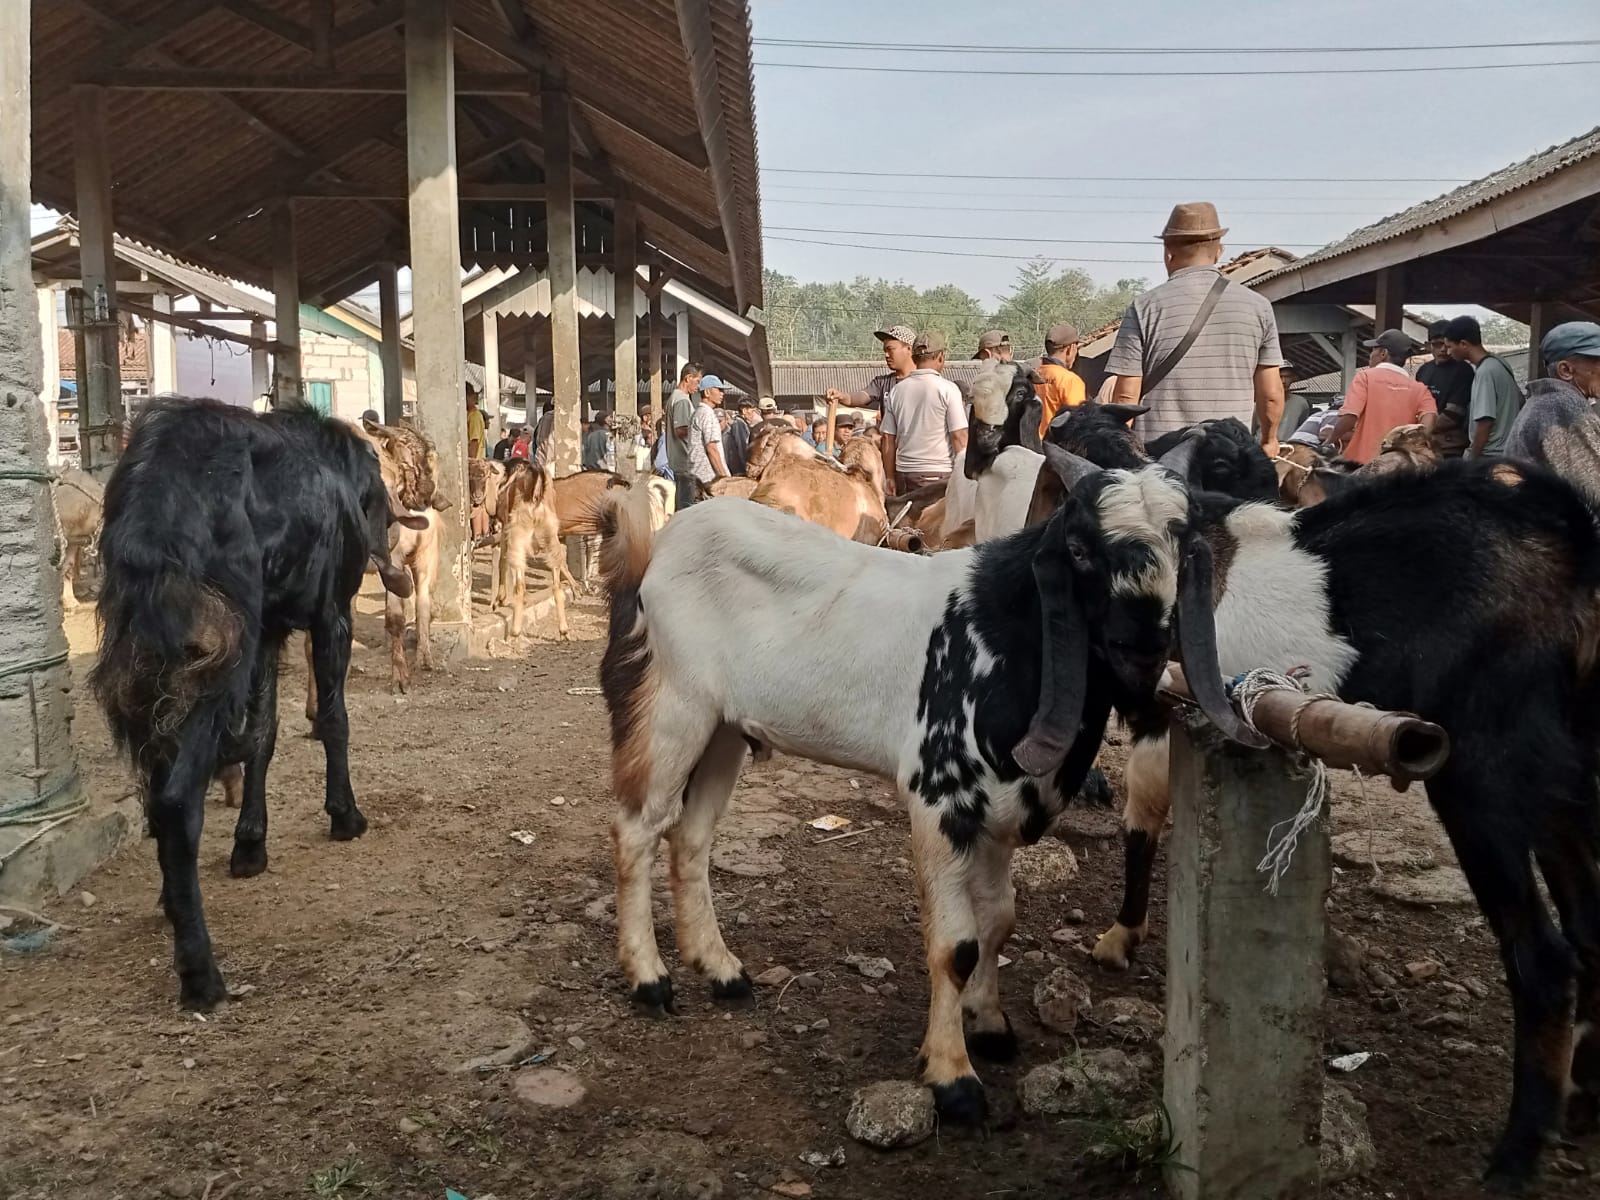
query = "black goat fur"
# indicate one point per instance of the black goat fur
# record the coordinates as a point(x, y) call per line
point(224, 531)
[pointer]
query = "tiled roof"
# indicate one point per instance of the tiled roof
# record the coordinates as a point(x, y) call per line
point(1463, 199)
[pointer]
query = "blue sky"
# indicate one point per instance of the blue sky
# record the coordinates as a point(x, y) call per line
point(1424, 128)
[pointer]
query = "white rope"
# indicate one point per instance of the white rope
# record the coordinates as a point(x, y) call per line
point(1247, 691)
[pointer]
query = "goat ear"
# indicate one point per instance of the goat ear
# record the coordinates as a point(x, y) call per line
point(1197, 643)
point(396, 580)
point(411, 520)
point(1028, 433)
point(1063, 663)
point(439, 503)
point(1126, 413)
point(376, 430)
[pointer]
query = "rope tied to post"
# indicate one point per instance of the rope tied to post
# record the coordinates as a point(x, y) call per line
point(1246, 691)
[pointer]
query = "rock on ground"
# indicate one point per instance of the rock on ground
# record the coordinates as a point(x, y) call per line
point(546, 1087)
point(660, 1164)
point(1347, 1149)
point(1091, 1084)
point(890, 1114)
point(1442, 885)
point(1345, 958)
point(500, 1037)
point(1047, 867)
point(1130, 1017)
point(1061, 998)
point(747, 859)
point(1386, 849)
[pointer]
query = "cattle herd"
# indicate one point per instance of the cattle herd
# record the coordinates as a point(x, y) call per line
point(1059, 575)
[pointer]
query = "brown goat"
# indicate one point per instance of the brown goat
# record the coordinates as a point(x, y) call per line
point(848, 499)
point(530, 521)
point(78, 500)
point(773, 440)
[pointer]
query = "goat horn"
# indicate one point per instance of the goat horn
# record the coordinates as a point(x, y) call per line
point(1180, 459)
point(1067, 465)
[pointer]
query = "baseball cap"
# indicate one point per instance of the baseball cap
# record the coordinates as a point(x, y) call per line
point(711, 381)
point(768, 404)
point(1064, 333)
point(845, 418)
point(993, 339)
point(1396, 343)
point(900, 333)
point(1573, 339)
point(372, 415)
point(931, 342)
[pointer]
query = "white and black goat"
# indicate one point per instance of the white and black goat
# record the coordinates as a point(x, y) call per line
point(1513, 553)
point(982, 689)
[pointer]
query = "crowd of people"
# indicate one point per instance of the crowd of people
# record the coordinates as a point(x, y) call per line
point(1195, 347)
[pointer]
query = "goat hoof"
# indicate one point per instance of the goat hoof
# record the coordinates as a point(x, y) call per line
point(347, 829)
point(1114, 948)
point(996, 1045)
point(201, 990)
point(737, 988)
point(248, 859)
point(654, 997)
point(961, 1100)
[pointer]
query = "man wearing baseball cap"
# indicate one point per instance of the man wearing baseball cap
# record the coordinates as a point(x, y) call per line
point(1382, 396)
point(705, 437)
point(1558, 427)
point(1059, 386)
point(897, 340)
point(995, 344)
point(924, 421)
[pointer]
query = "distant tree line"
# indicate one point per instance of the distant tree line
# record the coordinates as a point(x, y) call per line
point(837, 320)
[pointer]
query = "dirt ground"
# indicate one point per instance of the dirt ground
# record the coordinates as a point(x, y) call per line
point(374, 972)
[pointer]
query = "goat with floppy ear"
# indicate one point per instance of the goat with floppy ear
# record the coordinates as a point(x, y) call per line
point(982, 688)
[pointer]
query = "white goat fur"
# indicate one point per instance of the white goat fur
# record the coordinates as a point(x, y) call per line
point(1004, 493)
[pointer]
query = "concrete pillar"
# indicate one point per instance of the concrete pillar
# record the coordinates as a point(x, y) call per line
point(1538, 326)
point(1348, 361)
point(1245, 982)
point(566, 373)
point(286, 307)
point(436, 285)
point(530, 383)
point(656, 398)
point(682, 322)
point(50, 377)
point(491, 378)
point(38, 767)
point(1391, 298)
point(625, 318)
point(101, 415)
point(163, 349)
point(260, 368)
point(389, 351)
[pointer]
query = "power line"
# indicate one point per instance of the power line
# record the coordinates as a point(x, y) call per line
point(920, 250)
point(1167, 74)
point(835, 189)
point(1007, 208)
point(985, 175)
point(878, 48)
point(962, 237)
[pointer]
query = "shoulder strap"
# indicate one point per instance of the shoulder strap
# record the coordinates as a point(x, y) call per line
point(1164, 368)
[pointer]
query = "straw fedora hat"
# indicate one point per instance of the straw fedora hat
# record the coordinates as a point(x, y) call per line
point(1197, 222)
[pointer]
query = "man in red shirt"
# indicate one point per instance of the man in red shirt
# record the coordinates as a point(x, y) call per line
point(1382, 397)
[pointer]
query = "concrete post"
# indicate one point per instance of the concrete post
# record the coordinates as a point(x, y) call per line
point(682, 322)
point(101, 415)
point(1245, 982)
point(260, 368)
point(389, 351)
point(436, 285)
point(38, 767)
point(50, 377)
point(625, 322)
point(286, 307)
point(530, 383)
point(566, 374)
point(1347, 359)
point(163, 349)
point(656, 401)
point(494, 426)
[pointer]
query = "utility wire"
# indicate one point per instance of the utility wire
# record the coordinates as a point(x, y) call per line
point(840, 189)
point(879, 48)
point(987, 175)
point(962, 237)
point(1168, 74)
point(922, 250)
point(1008, 208)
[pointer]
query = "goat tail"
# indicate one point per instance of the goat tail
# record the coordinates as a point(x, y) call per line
point(627, 669)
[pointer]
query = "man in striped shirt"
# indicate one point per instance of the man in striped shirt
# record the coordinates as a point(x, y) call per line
point(1230, 369)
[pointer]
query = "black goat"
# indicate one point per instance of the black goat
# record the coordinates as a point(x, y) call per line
point(1337, 587)
point(1227, 460)
point(224, 532)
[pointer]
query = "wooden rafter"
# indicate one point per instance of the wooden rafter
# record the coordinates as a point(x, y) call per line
point(273, 22)
point(223, 79)
point(148, 313)
point(130, 41)
point(509, 192)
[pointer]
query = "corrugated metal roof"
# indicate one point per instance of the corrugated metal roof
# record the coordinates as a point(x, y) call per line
point(1462, 199)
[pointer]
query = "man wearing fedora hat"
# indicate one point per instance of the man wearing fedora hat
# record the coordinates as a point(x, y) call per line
point(1197, 347)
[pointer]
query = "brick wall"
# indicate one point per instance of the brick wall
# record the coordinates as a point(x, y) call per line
point(345, 364)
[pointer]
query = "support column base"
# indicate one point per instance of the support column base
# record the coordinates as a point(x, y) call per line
point(52, 865)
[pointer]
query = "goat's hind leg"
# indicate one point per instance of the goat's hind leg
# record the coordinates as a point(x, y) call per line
point(1568, 863)
point(250, 833)
point(330, 649)
point(705, 800)
point(1143, 819)
point(994, 902)
point(177, 811)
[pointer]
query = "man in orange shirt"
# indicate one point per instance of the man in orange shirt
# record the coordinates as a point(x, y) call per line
point(1382, 397)
point(1058, 385)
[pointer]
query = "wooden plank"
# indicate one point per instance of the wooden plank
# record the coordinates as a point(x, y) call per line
point(566, 374)
point(129, 42)
point(625, 317)
point(286, 308)
point(160, 317)
point(379, 19)
point(389, 348)
point(1538, 326)
point(1391, 286)
point(508, 192)
point(206, 79)
point(260, 15)
point(436, 286)
point(322, 31)
point(101, 414)
point(694, 22)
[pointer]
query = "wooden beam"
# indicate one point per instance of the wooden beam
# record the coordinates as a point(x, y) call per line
point(129, 42)
point(566, 375)
point(436, 285)
point(160, 316)
point(207, 79)
point(286, 308)
point(1538, 326)
point(322, 30)
point(656, 284)
point(625, 319)
point(260, 15)
point(379, 19)
point(101, 415)
point(389, 348)
point(509, 192)
point(1391, 286)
